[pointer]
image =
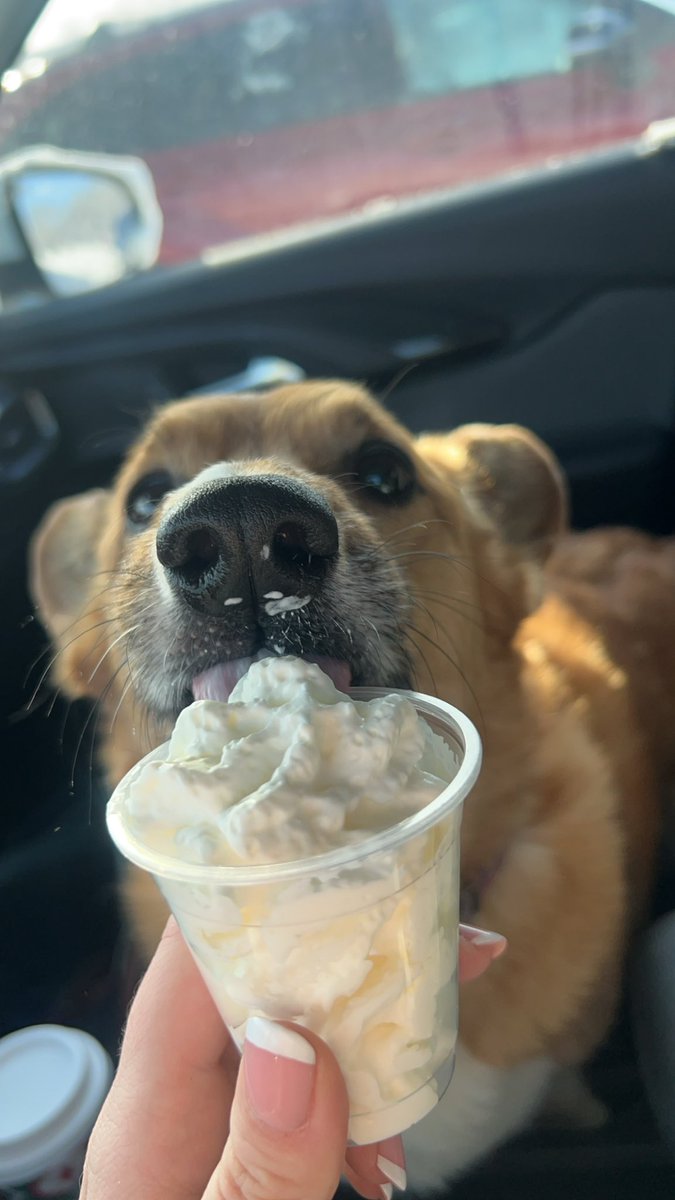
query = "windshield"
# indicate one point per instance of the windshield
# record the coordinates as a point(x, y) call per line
point(252, 117)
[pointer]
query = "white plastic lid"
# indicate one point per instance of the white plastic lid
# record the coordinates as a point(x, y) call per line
point(53, 1082)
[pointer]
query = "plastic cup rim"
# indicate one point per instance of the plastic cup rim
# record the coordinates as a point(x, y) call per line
point(450, 798)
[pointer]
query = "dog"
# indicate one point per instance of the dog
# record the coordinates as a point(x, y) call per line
point(444, 563)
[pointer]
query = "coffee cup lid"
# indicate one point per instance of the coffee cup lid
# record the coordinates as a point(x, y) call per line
point(53, 1081)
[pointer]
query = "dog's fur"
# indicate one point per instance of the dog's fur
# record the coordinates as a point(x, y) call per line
point(568, 670)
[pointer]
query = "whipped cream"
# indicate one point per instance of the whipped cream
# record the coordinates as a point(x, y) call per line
point(363, 952)
point(289, 768)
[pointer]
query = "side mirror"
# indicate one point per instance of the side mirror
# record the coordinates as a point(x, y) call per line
point(81, 220)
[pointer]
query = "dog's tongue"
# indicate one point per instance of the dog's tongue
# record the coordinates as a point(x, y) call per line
point(217, 683)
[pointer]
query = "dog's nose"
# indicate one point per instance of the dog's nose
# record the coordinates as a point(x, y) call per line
point(267, 537)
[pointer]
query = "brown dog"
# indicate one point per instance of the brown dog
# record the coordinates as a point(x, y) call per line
point(418, 561)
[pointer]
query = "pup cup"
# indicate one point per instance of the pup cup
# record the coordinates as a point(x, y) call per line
point(358, 944)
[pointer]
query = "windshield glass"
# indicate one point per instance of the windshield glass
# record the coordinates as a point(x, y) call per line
point(247, 117)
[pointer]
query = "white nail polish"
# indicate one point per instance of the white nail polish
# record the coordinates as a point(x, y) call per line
point(277, 1039)
point(387, 1190)
point(392, 1171)
point(487, 939)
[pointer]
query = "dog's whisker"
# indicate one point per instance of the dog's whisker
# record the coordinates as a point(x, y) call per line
point(456, 597)
point(455, 560)
point(23, 713)
point(92, 748)
point(456, 666)
point(435, 599)
point(135, 700)
point(119, 572)
point(415, 525)
point(97, 709)
point(442, 631)
point(166, 655)
point(345, 475)
point(397, 379)
point(98, 641)
point(82, 616)
point(123, 695)
point(147, 721)
point(347, 633)
point(425, 611)
point(86, 724)
point(374, 628)
point(61, 650)
point(483, 619)
point(64, 722)
point(418, 650)
point(87, 611)
point(124, 634)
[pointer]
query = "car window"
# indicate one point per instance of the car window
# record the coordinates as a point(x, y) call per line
point(479, 43)
point(184, 83)
point(253, 116)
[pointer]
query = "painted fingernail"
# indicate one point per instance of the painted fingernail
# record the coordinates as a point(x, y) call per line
point(391, 1161)
point(387, 1191)
point(484, 937)
point(279, 1068)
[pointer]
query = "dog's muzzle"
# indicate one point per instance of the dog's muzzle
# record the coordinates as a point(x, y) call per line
point(248, 564)
point(266, 542)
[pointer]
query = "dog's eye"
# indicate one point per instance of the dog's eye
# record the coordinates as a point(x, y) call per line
point(386, 471)
point(146, 495)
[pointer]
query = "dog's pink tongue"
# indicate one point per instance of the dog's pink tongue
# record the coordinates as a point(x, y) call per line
point(217, 683)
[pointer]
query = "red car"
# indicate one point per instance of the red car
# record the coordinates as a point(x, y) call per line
point(255, 115)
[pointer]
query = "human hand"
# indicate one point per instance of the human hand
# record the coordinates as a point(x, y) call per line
point(183, 1122)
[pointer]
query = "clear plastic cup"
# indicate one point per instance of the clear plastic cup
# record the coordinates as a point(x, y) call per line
point(358, 944)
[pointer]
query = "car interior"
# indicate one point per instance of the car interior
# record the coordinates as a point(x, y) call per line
point(544, 297)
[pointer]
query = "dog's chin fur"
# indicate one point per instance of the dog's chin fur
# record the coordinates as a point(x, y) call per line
point(561, 649)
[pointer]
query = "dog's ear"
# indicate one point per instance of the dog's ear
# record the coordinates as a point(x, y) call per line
point(62, 559)
point(511, 476)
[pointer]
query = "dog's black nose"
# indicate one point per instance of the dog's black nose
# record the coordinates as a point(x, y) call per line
point(263, 537)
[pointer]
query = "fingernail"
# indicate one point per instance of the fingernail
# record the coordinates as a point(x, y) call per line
point(396, 1174)
point(279, 1066)
point(391, 1161)
point(387, 1190)
point(485, 937)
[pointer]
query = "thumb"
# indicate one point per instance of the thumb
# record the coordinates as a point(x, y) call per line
point(288, 1126)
